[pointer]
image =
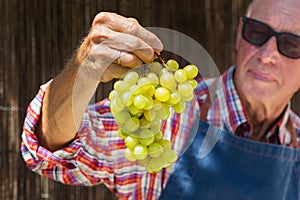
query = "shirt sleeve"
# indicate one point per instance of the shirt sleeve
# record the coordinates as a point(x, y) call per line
point(95, 156)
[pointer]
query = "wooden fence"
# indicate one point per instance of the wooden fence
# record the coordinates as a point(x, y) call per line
point(39, 36)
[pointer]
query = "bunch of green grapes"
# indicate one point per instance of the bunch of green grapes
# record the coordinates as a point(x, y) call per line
point(141, 100)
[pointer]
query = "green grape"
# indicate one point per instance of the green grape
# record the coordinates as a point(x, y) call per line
point(153, 78)
point(155, 124)
point(140, 152)
point(131, 78)
point(167, 80)
point(139, 101)
point(158, 135)
point(188, 98)
point(193, 83)
point(113, 94)
point(179, 107)
point(136, 89)
point(167, 111)
point(121, 117)
point(166, 144)
point(144, 81)
point(172, 65)
point(146, 137)
point(133, 88)
point(150, 115)
point(180, 76)
point(191, 71)
point(144, 123)
point(144, 162)
point(149, 103)
point(127, 98)
point(155, 67)
point(156, 104)
point(149, 90)
point(133, 110)
point(116, 105)
point(164, 112)
point(162, 94)
point(132, 124)
point(154, 150)
point(131, 141)
point(174, 98)
point(122, 134)
point(129, 155)
point(185, 89)
point(168, 156)
point(138, 115)
point(146, 89)
point(163, 71)
point(121, 86)
point(154, 165)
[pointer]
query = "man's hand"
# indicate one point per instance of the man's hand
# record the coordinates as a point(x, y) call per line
point(115, 38)
point(113, 46)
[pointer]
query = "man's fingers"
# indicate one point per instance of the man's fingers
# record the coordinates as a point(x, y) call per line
point(104, 56)
point(129, 60)
point(101, 35)
point(113, 71)
point(130, 26)
point(131, 44)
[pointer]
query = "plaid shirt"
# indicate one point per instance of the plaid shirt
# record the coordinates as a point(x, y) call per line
point(96, 155)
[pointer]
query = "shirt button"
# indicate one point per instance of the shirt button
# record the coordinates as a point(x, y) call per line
point(70, 165)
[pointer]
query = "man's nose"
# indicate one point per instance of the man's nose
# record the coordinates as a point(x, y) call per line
point(268, 52)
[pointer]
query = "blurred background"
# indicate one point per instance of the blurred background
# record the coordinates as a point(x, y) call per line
point(37, 37)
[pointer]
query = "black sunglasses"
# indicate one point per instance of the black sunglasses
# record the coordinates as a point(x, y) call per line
point(258, 33)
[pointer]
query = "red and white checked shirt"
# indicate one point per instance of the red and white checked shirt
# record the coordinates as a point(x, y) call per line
point(96, 155)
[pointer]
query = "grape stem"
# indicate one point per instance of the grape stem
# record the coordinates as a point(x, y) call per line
point(161, 60)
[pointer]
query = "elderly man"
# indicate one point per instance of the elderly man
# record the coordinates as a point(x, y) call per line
point(247, 113)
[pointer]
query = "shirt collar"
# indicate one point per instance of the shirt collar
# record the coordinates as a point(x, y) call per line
point(232, 112)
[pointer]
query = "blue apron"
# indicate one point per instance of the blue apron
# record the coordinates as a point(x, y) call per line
point(234, 168)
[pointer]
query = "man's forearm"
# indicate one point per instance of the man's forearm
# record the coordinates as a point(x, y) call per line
point(64, 104)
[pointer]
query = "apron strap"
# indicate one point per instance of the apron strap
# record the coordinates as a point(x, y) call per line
point(207, 103)
point(292, 131)
point(204, 109)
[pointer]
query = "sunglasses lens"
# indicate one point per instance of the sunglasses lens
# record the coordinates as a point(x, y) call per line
point(256, 33)
point(289, 45)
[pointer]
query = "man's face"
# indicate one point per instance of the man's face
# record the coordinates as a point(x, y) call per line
point(263, 74)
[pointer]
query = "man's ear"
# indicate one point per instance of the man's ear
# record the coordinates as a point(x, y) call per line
point(239, 34)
